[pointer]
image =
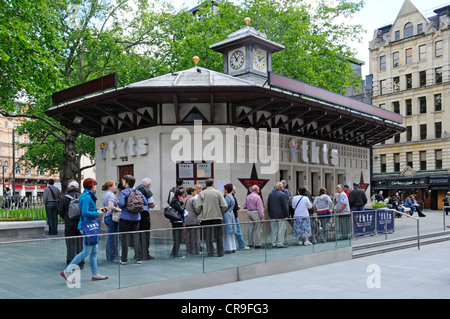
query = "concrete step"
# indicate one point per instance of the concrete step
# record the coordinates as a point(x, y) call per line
point(385, 246)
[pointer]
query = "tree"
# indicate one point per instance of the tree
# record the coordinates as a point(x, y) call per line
point(316, 49)
point(83, 39)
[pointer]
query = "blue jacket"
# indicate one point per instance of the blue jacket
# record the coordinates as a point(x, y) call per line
point(87, 207)
point(123, 202)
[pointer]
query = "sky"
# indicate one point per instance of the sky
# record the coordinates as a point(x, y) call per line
point(375, 14)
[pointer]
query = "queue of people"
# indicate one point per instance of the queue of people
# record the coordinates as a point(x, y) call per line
point(215, 211)
point(126, 214)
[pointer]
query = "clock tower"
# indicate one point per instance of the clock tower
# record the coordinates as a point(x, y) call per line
point(247, 54)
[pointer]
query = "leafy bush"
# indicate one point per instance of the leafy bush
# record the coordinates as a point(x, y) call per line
point(376, 204)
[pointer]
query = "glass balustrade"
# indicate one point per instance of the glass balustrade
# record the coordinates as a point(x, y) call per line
point(31, 268)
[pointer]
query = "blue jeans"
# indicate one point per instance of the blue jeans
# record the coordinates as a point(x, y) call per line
point(358, 209)
point(88, 250)
point(112, 242)
point(52, 217)
point(239, 236)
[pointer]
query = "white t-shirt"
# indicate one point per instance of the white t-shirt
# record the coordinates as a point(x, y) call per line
point(302, 207)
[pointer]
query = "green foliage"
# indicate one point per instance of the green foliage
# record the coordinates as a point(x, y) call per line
point(376, 204)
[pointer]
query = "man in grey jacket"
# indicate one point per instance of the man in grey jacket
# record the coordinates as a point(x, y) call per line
point(210, 206)
point(51, 198)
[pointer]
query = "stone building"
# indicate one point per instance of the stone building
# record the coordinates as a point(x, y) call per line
point(27, 181)
point(410, 64)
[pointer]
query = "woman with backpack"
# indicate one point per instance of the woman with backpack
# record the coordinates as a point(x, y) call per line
point(74, 245)
point(131, 202)
point(88, 213)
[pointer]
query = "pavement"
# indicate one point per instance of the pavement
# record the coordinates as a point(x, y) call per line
point(403, 274)
point(30, 270)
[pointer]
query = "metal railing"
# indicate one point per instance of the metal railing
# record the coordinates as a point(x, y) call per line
point(385, 219)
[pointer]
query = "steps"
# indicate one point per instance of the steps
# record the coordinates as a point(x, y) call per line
point(385, 246)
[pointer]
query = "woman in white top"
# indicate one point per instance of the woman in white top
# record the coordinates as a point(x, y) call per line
point(302, 224)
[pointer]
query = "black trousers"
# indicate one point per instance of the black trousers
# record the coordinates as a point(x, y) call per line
point(144, 224)
point(129, 226)
point(178, 234)
point(213, 233)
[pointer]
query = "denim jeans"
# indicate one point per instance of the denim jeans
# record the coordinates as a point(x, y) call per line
point(239, 236)
point(52, 217)
point(112, 242)
point(88, 250)
point(358, 209)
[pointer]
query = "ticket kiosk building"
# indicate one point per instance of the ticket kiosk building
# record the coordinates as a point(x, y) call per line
point(245, 125)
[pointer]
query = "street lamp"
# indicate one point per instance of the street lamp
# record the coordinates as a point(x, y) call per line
point(4, 165)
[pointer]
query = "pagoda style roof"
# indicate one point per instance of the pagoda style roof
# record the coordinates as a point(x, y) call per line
point(293, 107)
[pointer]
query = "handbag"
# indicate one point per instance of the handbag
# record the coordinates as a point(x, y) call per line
point(116, 216)
point(172, 214)
point(91, 230)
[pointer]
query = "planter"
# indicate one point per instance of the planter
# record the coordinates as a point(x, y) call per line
point(22, 230)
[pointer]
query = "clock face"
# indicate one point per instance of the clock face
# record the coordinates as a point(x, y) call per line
point(237, 59)
point(259, 59)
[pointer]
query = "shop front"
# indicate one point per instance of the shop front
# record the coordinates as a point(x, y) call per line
point(429, 190)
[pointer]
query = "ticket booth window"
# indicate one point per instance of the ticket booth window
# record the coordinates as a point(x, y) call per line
point(195, 173)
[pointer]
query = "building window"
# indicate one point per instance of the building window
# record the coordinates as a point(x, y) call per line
point(423, 131)
point(396, 59)
point(409, 133)
point(438, 159)
point(408, 81)
point(382, 87)
point(383, 63)
point(396, 82)
point(423, 160)
point(383, 163)
point(408, 103)
point(409, 159)
point(422, 78)
point(438, 72)
point(438, 48)
point(408, 32)
point(409, 59)
point(397, 35)
point(438, 129)
point(419, 28)
point(396, 107)
point(397, 162)
point(423, 105)
point(397, 138)
point(422, 52)
point(438, 102)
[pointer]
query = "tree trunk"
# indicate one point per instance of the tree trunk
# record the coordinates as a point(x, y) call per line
point(71, 167)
